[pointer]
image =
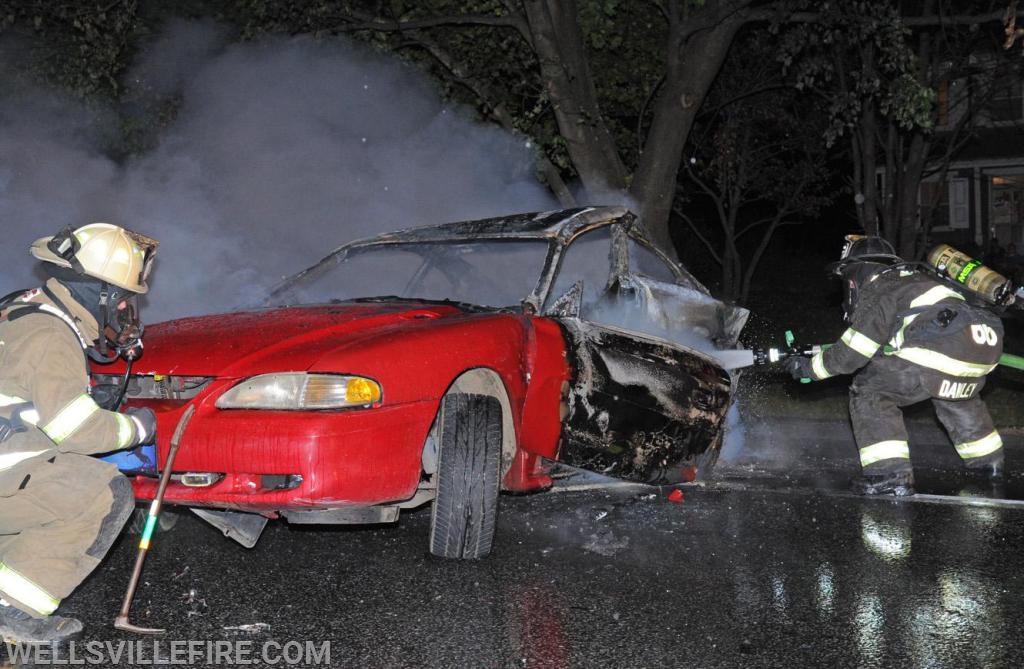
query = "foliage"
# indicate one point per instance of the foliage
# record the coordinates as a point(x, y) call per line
point(854, 54)
point(79, 46)
point(623, 41)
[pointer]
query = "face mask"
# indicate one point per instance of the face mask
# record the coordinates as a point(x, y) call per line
point(123, 324)
point(116, 312)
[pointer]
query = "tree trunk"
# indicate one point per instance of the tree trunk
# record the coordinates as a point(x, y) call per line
point(888, 211)
point(558, 43)
point(910, 182)
point(868, 209)
point(692, 67)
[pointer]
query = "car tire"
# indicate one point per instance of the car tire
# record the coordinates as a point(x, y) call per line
point(137, 521)
point(468, 470)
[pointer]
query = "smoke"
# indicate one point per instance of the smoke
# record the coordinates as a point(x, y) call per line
point(278, 152)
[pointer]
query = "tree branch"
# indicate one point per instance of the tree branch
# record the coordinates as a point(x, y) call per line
point(755, 15)
point(352, 22)
point(693, 226)
point(494, 108)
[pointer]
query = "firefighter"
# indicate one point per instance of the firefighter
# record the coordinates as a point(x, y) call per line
point(60, 509)
point(916, 338)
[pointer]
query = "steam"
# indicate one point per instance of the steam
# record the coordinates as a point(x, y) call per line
point(280, 151)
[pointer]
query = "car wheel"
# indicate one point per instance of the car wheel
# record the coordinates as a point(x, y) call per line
point(468, 470)
point(137, 521)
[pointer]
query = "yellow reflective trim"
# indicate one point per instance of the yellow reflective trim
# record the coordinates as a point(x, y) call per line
point(934, 296)
point(975, 449)
point(930, 297)
point(25, 591)
point(70, 418)
point(125, 430)
point(818, 367)
point(8, 460)
point(862, 344)
point(897, 340)
point(884, 450)
point(943, 363)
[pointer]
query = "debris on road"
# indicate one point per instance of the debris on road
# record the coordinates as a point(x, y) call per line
point(252, 628)
point(605, 543)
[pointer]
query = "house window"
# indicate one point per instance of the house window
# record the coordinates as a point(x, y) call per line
point(1006, 208)
point(945, 204)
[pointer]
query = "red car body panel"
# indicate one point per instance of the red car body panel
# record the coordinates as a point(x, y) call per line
point(352, 456)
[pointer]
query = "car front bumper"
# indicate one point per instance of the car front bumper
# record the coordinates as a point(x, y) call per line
point(338, 458)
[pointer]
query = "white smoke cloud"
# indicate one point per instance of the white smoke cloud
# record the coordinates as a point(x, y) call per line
point(280, 151)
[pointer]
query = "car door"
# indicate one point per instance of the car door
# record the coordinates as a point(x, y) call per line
point(644, 404)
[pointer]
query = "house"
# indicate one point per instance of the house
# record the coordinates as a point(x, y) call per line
point(979, 197)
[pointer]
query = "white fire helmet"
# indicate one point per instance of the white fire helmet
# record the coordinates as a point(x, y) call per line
point(103, 251)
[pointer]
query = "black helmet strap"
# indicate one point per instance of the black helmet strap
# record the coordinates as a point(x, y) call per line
point(65, 246)
point(104, 322)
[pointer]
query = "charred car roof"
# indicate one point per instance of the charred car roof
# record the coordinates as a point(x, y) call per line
point(563, 224)
point(558, 227)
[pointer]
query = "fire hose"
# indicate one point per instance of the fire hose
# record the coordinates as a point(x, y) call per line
point(773, 355)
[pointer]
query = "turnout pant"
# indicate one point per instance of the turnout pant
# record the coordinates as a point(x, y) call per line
point(57, 527)
point(887, 384)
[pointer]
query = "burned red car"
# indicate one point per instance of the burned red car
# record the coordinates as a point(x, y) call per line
point(442, 364)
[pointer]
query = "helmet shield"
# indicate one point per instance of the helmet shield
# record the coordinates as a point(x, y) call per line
point(102, 251)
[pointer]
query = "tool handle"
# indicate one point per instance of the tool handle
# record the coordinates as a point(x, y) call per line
point(165, 475)
point(121, 622)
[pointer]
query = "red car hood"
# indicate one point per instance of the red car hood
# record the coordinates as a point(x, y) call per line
point(250, 342)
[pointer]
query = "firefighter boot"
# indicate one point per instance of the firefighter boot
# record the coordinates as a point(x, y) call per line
point(899, 484)
point(16, 626)
point(993, 474)
point(992, 469)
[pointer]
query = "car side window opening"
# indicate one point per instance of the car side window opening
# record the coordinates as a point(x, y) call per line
point(608, 299)
point(645, 261)
point(648, 297)
point(585, 259)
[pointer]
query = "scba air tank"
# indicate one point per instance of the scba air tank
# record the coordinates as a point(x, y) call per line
point(960, 268)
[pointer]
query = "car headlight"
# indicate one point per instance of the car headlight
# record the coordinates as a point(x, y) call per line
point(299, 391)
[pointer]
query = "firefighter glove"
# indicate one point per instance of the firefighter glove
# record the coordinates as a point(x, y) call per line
point(799, 367)
point(145, 424)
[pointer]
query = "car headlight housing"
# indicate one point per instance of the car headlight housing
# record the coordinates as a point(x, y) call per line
point(301, 391)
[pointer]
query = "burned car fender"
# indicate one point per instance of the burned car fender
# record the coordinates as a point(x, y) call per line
point(640, 408)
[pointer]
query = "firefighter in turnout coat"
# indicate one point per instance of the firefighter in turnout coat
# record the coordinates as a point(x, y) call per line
point(916, 338)
point(60, 509)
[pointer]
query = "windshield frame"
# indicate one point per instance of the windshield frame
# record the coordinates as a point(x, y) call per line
point(428, 263)
point(557, 238)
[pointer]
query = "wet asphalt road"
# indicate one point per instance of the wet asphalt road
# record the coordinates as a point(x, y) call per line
point(750, 573)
